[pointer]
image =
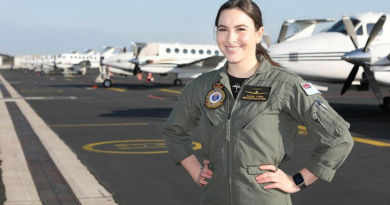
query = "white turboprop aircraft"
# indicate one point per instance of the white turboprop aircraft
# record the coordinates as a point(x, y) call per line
point(183, 60)
point(75, 61)
point(361, 40)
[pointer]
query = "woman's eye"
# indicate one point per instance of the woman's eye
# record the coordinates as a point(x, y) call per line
point(221, 29)
point(241, 29)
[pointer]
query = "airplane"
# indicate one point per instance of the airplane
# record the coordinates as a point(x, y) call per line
point(182, 60)
point(361, 40)
point(74, 61)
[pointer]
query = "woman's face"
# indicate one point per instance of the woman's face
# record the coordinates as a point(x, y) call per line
point(237, 36)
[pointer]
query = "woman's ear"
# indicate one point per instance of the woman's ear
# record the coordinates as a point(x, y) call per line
point(259, 34)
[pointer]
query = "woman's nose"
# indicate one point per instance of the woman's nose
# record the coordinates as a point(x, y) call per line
point(232, 37)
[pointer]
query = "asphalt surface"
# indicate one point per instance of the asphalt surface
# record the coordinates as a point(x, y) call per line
point(122, 127)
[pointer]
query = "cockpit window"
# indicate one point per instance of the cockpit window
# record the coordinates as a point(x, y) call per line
point(359, 31)
point(339, 26)
point(370, 26)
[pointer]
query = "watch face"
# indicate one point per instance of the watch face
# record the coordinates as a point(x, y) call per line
point(298, 179)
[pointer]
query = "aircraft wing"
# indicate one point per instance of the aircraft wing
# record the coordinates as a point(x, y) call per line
point(194, 67)
point(212, 61)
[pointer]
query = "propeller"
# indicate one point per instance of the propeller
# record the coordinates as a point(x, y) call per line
point(137, 47)
point(55, 62)
point(362, 57)
point(350, 30)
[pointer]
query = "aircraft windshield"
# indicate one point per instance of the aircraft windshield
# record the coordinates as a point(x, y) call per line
point(339, 26)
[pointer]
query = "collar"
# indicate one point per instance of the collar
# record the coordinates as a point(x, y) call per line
point(263, 67)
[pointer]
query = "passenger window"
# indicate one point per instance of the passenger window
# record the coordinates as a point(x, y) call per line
point(177, 50)
point(168, 50)
point(208, 52)
point(193, 51)
point(216, 52)
point(201, 51)
point(185, 51)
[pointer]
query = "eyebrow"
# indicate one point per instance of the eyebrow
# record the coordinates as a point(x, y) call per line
point(240, 25)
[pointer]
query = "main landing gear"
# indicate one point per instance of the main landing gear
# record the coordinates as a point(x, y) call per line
point(177, 82)
point(107, 83)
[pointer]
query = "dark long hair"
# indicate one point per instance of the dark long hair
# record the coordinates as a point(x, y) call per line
point(253, 11)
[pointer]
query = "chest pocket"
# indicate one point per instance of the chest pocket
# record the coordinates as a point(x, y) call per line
point(249, 110)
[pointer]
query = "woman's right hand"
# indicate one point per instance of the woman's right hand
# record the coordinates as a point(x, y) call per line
point(205, 173)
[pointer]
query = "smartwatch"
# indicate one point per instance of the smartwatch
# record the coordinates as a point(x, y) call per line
point(299, 181)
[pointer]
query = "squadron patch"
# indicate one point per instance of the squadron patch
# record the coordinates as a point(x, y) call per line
point(255, 93)
point(309, 88)
point(215, 97)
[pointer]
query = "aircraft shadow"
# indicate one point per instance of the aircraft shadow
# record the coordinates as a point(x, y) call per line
point(140, 113)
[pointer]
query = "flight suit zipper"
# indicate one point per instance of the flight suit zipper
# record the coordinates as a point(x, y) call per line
point(228, 139)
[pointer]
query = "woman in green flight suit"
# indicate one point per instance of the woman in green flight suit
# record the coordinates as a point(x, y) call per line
point(248, 113)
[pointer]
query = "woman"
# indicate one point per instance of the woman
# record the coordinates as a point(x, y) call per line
point(248, 113)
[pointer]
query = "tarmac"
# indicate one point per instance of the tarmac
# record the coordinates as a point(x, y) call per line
point(68, 140)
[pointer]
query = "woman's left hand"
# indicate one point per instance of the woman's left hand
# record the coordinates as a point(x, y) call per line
point(281, 180)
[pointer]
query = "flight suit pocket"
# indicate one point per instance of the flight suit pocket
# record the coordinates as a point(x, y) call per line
point(255, 171)
point(329, 123)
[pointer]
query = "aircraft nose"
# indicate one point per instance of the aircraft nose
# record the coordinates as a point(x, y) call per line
point(105, 61)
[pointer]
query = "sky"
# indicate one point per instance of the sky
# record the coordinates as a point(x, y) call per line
point(55, 26)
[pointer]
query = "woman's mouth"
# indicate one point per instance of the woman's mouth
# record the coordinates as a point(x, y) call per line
point(232, 48)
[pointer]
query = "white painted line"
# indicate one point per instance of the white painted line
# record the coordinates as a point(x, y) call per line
point(85, 186)
point(10, 89)
point(51, 98)
point(17, 178)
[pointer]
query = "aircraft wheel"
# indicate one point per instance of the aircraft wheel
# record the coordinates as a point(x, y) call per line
point(107, 83)
point(177, 82)
point(386, 104)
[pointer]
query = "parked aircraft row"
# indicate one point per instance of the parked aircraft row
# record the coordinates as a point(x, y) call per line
point(362, 40)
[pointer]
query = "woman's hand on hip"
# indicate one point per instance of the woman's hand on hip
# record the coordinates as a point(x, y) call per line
point(205, 173)
point(280, 179)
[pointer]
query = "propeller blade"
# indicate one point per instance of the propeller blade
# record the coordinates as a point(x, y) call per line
point(350, 79)
point(373, 83)
point(378, 26)
point(267, 39)
point(137, 69)
point(283, 32)
point(350, 30)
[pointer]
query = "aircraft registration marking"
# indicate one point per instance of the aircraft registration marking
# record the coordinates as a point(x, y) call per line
point(138, 146)
point(302, 131)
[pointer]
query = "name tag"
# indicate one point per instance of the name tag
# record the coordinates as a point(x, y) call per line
point(255, 93)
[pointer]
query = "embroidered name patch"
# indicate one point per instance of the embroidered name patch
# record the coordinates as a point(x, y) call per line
point(309, 88)
point(255, 93)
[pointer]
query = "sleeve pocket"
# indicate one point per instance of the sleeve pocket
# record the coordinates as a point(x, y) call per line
point(328, 123)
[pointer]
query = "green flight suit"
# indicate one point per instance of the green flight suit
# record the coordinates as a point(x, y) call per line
point(243, 134)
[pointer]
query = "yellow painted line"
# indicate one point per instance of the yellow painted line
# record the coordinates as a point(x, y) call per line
point(117, 89)
point(170, 91)
point(302, 130)
point(100, 125)
point(371, 142)
point(142, 144)
point(67, 79)
point(42, 91)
